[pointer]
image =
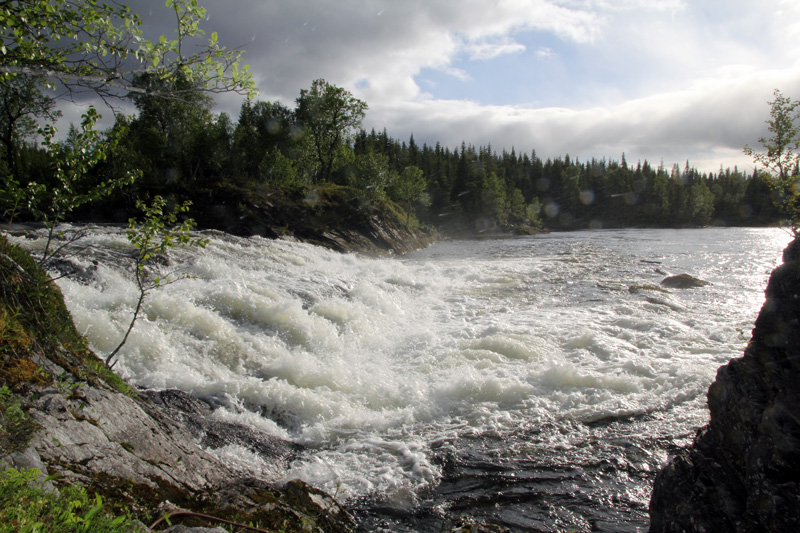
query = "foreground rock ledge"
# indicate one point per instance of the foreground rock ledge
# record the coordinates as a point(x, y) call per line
point(140, 452)
point(742, 472)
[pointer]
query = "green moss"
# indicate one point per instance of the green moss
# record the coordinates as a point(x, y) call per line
point(18, 372)
point(98, 370)
point(36, 300)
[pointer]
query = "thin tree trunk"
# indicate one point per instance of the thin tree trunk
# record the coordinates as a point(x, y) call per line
point(142, 293)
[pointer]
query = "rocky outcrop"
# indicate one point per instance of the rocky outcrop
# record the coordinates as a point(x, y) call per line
point(328, 215)
point(742, 472)
point(139, 450)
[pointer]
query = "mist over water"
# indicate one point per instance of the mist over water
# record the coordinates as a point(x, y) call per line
point(535, 382)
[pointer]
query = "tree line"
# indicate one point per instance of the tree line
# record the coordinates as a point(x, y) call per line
point(176, 147)
point(183, 150)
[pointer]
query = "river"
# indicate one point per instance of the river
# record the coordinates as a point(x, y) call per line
point(536, 383)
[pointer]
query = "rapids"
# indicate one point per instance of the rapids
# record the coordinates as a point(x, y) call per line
point(536, 382)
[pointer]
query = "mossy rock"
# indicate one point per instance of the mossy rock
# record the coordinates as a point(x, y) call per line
point(35, 324)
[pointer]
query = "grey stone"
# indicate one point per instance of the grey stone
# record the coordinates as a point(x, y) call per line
point(683, 281)
point(29, 459)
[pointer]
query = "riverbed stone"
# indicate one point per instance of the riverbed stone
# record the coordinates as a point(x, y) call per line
point(742, 473)
point(683, 281)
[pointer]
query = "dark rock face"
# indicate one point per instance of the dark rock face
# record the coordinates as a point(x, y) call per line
point(195, 415)
point(743, 471)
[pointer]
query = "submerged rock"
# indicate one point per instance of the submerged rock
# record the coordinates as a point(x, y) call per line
point(683, 281)
point(742, 472)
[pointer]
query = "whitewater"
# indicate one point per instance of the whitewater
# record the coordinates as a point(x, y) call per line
point(535, 382)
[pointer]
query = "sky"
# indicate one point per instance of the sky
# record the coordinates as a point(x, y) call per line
point(662, 80)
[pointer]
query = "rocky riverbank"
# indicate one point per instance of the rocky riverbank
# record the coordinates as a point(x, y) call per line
point(328, 215)
point(742, 472)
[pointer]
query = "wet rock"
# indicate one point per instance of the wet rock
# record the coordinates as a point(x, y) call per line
point(683, 281)
point(69, 268)
point(294, 507)
point(742, 473)
point(665, 302)
point(196, 414)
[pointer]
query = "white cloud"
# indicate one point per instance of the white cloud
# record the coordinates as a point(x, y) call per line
point(627, 5)
point(296, 42)
point(545, 51)
point(707, 123)
point(457, 73)
point(484, 50)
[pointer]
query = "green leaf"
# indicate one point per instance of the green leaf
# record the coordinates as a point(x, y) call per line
point(94, 510)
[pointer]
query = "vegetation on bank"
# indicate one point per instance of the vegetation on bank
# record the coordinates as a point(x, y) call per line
point(35, 325)
point(184, 152)
point(27, 507)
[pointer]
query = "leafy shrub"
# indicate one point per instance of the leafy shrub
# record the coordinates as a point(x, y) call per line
point(26, 507)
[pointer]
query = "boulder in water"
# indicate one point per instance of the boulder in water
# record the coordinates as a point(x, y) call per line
point(683, 281)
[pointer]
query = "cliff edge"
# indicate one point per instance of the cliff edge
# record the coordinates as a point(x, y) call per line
point(742, 473)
